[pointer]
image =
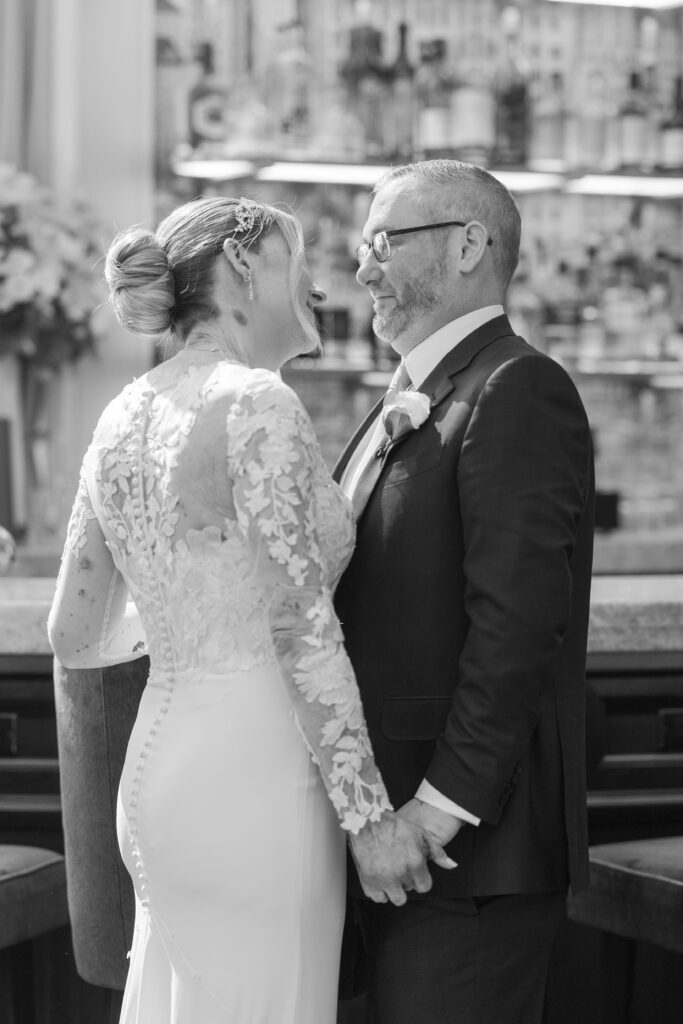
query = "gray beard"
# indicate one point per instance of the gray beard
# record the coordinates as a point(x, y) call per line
point(419, 298)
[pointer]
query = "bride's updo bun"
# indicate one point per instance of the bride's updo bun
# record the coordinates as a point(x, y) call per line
point(141, 285)
point(163, 283)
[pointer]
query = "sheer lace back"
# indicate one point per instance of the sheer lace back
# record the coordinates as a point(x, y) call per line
point(208, 484)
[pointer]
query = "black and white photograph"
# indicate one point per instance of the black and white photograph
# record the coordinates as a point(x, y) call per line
point(341, 511)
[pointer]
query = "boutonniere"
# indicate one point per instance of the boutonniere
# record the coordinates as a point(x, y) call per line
point(405, 411)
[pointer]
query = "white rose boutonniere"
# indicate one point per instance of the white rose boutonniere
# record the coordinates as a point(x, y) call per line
point(405, 411)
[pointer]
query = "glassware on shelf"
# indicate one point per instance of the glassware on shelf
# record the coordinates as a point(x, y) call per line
point(366, 76)
point(207, 103)
point(647, 55)
point(402, 75)
point(632, 125)
point(433, 85)
point(339, 134)
point(290, 87)
point(671, 132)
point(473, 104)
point(547, 143)
point(512, 94)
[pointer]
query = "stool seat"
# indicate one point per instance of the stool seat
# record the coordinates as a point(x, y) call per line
point(636, 891)
point(32, 893)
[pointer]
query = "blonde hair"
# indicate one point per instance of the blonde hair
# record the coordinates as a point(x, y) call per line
point(161, 283)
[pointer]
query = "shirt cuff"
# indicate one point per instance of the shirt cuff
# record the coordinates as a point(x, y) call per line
point(429, 795)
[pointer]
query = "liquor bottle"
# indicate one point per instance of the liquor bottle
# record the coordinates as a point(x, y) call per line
point(170, 98)
point(473, 105)
point(671, 132)
point(648, 56)
point(632, 125)
point(512, 94)
point(433, 86)
point(290, 87)
point(339, 134)
point(548, 124)
point(402, 74)
point(207, 103)
point(366, 77)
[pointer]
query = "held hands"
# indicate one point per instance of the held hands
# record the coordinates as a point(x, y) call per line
point(442, 827)
point(391, 857)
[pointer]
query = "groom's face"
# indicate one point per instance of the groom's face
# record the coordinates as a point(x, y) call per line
point(409, 289)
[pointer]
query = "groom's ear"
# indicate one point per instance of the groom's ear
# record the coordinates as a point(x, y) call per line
point(238, 258)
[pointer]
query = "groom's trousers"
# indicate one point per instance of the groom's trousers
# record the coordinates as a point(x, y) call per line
point(459, 960)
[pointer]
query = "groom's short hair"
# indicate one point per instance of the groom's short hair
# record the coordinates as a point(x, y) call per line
point(454, 190)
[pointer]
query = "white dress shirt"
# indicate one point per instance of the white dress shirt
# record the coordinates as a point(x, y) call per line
point(420, 362)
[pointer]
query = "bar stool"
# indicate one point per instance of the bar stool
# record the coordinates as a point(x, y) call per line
point(32, 904)
point(636, 897)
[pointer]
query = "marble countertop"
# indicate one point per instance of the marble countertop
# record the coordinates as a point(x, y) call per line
point(628, 613)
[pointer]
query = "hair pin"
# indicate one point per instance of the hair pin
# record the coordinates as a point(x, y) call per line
point(246, 213)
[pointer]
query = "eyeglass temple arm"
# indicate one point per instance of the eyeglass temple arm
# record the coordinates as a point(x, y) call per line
point(425, 227)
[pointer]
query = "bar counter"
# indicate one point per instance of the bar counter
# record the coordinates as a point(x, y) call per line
point(636, 613)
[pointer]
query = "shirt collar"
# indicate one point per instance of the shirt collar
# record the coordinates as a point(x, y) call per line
point(422, 359)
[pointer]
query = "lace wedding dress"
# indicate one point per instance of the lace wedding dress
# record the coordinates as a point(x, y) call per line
point(204, 497)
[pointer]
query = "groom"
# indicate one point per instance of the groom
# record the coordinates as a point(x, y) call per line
point(465, 605)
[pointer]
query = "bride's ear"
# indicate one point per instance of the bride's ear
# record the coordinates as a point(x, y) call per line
point(238, 258)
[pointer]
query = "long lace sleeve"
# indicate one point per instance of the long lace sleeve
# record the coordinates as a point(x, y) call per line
point(273, 463)
point(92, 622)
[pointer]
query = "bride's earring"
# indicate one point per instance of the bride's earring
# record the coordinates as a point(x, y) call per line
point(250, 281)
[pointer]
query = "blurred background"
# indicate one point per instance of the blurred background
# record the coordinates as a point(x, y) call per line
point(112, 112)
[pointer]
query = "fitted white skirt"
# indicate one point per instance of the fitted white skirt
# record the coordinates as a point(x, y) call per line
point(236, 856)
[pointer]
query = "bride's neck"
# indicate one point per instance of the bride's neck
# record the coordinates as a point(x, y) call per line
point(210, 338)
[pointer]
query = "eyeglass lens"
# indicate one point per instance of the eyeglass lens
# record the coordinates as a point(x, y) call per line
point(379, 246)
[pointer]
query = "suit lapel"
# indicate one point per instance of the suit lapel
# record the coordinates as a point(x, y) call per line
point(438, 385)
point(343, 460)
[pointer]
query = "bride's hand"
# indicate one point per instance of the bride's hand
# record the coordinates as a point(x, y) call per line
point(391, 857)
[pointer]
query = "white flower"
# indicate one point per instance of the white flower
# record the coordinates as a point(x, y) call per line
point(405, 411)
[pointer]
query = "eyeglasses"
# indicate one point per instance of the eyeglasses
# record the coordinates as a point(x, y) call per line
point(380, 246)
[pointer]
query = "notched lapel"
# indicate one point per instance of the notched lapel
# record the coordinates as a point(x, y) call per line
point(343, 460)
point(440, 383)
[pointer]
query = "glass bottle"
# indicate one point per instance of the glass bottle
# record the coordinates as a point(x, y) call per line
point(671, 131)
point(366, 77)
point(512, 94)
point(290, 87)
point(473, 105)
point(403, 100)
point(207, 103)
point(548, 124)
point(433, 86)
point(632, 124)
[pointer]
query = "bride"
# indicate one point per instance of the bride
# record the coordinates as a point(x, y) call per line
point(204, 498)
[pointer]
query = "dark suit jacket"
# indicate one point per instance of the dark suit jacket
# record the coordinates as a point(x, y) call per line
point(465, 612)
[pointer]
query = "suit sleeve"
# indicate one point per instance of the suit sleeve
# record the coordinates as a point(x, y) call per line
point(523, 484)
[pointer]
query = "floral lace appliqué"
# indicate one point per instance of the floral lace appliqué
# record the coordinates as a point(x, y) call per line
point(282, 499)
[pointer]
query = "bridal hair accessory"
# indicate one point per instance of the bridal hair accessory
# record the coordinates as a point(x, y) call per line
point(246, 213)
point(405, 411)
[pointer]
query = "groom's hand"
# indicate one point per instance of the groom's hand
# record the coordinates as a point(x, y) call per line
point(442, 827)
point(391, 856)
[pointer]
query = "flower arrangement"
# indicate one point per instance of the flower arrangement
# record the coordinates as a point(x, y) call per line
point(49, 283)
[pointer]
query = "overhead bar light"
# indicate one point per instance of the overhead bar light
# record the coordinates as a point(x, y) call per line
point(366, 175)
point(214, 170)
point(326, 174)
point(626, 185)
point(650, 5)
